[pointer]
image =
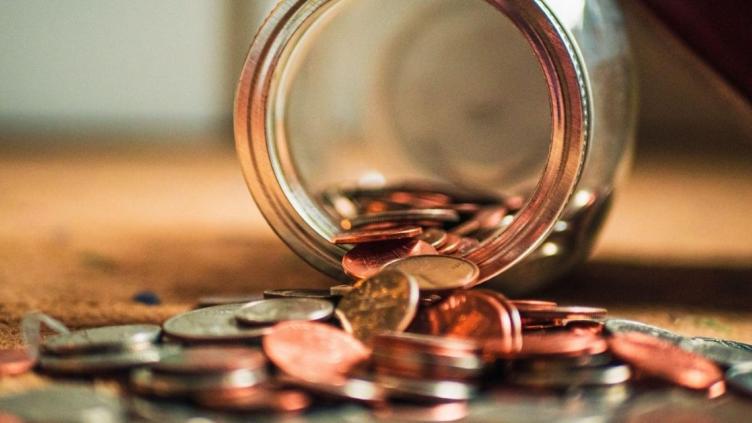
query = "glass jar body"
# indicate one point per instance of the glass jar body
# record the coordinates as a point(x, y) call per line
point(532, 100)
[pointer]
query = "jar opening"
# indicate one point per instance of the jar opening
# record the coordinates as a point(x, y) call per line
point(366, 94)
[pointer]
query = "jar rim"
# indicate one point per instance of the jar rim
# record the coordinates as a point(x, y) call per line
point(290, 212)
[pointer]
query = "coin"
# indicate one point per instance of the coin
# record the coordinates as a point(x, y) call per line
point(255, 399)
point(313, 352)
point(662, 359)
point(443, 412)
point(466, 246)
point(372, 235)
point(351, 388)
point(102, 362)
point(487, 217)
point(525, 305)
point(321, 294)
point(470, 314)
point(564, 313)
point(511, 320)
point(720, 351)
point(148, 382)
point(211, 359)
point(120, 337)
point(365, 260)
point(215, 300)
point(215, 323)
point(15, 361)
point(435, 390)
point(438, 273)
point(451, 244)
point(563, 343)
point(275, 310)
point(435, 237)
point(739, 377)
point(64, 403)
point(411, 215)
point(384, 302)
point(617, 326)
point(605, 375)
point(340, 290)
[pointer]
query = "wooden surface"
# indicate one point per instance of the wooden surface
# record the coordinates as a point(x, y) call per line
point(82, 231)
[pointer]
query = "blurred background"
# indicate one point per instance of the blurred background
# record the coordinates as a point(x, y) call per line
point(117, 161)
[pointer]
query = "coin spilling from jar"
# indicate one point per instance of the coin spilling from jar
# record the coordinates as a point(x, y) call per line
point(412, 328)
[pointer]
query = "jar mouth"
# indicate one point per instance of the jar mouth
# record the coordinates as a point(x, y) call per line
point(293, 212)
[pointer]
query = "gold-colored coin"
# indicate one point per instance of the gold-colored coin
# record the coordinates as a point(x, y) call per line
point(384, 302)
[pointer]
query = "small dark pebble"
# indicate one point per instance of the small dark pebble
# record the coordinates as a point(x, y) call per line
point(147, 297)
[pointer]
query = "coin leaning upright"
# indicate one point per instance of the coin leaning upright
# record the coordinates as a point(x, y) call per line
point(438, 273)
point(384, 302)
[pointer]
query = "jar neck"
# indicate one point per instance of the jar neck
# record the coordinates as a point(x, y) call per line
point(293, 213)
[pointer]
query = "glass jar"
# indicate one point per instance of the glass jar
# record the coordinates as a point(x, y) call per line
point(531, 100)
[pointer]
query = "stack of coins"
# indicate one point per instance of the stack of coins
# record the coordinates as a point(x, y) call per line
point(103, 349)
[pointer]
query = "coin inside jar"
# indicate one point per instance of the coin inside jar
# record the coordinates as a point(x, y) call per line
point(438, 273)
point(275, 310)
point(372, 235)
point(384, 302)
point(365, 260)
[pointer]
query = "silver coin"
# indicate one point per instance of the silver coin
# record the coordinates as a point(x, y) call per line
point(215, 323)
point(740, 377)
point(722, 352)
point(100, 362)
point(614, 326)
point(321, 294)
point(273, 310)
point(440, 215)
point(65, 403)
point(121, 337)
point(170, 411)
point(447, 366)
point(441, 390)
point(438, 273)
point(355, 389)
point(607, 375)
point(214, 300)
point(340, 290)
point(148, 382)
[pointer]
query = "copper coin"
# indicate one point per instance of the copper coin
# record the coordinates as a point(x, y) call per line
point(211, 359)
point(411, 215)
point(428, 343)
point(592, 326)
point(438, 273)
point(564, 313)
point(372, 235)
point(313, 352)
point(485, 218)
point(466, 246)
point(469, 314)
point(365, 260)
point(384, 302)
point(664, 360)
point(435, 237)
point(421, 200)
point(559, 344)
point(451, 244)
point(525, 305)
point(15, 362)
point(354, 389)
point(254, 399)
point(513, 341)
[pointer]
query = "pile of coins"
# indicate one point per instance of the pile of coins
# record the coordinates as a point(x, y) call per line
point(409, 330)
